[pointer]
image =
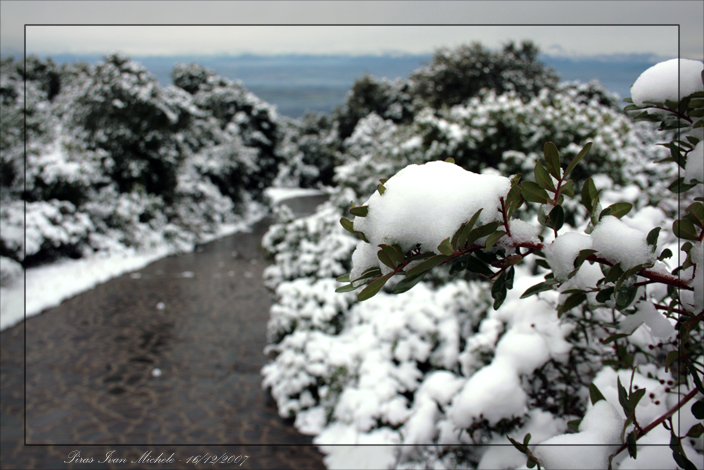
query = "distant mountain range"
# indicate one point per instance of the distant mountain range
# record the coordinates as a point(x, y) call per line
point(296, 83)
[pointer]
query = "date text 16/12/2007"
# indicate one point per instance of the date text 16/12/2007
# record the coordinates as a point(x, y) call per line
point(76, 457)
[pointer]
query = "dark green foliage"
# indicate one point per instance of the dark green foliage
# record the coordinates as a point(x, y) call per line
point(454, 76)
point(390, 100)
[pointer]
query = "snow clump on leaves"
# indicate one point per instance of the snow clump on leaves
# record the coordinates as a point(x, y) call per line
point(659, 83)
point(424, 204)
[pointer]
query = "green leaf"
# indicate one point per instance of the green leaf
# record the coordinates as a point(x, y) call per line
point(348, 225)
point(426, 265)
point(605, 295)
point(698, 409)
point(360, 211)
point(542, 177)
point(645, 116)
point(696, 214)
point(695, 377)
point(526, 439)
point(493, 238)
point(574, 424)
point(384, 258)
point(521, 448)
point(531, 192)
point(479, 267)
point(459, 265)
point(383, 180)
point(631, 107)
point(635, 398)
point(666, 253)
point(625, 297)
point(568, 188)
point(381, 188)
point(614, 273)
point(372, 289)
point(684, 228)
point(462, 239)
point(394, 253)
point(368, 274)
point(678, 453)
point(623, 397)
point(696, 431)
point(543, 264)
point(594, 394)
point(347, 288)
point(541, 287)
point(679, 186)
point(628, 100)
point(653, 237)
point(344, 278)
point(445, 248)
point(630, 272)
point(408, 282)
point(499, 290)
point(557, 217)
point(620, 209)
point(631, 445)
point(552, 158)
point(582, 153)
point(482, 231)
point(583, 255)
point(449, 160)
point(613, 338)
point(589, 193)
point(456, 237)
point(671, 357)
point(571, 302)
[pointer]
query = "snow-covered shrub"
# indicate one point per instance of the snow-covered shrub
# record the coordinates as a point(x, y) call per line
point(124, 161)
point(309, 247)
point(608, 281)
point(10, 270)
point(309, 147)
point(588, 300)
point(46, 231)
point(454, 75)
point(392, 100)
point(230, 107)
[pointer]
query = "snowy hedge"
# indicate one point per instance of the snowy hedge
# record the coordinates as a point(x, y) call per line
point(116, 161)
point(575, 344)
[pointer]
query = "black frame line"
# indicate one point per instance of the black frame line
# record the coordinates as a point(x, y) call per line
point(170, 445)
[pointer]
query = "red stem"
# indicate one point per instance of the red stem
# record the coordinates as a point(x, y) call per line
point(662, 418)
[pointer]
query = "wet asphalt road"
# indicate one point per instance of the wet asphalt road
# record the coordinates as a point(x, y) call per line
point(166, 359)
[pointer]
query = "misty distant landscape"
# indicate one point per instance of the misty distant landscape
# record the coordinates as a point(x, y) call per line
point(300, 83)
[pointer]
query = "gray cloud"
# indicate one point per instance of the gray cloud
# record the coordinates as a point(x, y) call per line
point(154, 40)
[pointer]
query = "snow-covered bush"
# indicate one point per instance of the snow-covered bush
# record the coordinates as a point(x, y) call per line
point(115, 160)
point(572, 326)
point(612, 280)
point(309, 147)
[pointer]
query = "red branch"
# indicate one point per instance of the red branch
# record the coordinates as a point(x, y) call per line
point(662, 418)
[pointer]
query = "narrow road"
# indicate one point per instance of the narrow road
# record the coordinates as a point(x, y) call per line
point(166, 359)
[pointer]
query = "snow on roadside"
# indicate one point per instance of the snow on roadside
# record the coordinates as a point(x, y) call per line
point(47, 286)
point(276, 195)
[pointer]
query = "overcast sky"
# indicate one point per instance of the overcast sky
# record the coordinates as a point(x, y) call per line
point(598, 27)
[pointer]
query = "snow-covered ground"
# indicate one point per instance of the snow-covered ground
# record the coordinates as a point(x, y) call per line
point(48, 286)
